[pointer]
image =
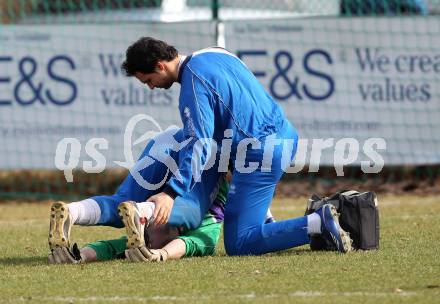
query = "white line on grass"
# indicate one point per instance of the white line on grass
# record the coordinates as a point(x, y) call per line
point(22, 222)
point(296, 294)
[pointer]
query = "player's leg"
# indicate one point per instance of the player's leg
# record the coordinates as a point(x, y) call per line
point(86, 213)
point(97, 210)
point(248, 201)
point(246, 234)
point(188, 210)
point(143, 181)
point(96, 251)
point(244, 229)
point(104, 250)
point(146, 178)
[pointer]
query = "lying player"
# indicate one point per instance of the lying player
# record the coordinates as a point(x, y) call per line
point(103, 210)
point(163, 242)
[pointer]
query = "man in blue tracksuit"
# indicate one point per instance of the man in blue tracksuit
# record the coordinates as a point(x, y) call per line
point(228, 119)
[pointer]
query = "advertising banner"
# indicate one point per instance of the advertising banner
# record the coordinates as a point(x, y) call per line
point(343, 82)
point(351, 78)
point(65, 81)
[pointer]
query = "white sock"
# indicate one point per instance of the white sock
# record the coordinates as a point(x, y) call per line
point(146, 209)
point(85, 212)
point(268, 214)
point(313, 224)
point(269, 217)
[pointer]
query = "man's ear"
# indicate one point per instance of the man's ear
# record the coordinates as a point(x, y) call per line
point(160, 66)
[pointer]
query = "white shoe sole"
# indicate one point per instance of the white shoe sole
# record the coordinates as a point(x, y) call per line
point(128, 214)
point(58, 237)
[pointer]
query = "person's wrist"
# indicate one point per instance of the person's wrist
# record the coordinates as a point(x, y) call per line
point(164, 254)
point(170, 192)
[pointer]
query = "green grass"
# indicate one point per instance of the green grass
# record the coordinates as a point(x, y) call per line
point(405, 270)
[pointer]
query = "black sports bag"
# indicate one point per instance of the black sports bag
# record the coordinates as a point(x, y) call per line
point(359, 216)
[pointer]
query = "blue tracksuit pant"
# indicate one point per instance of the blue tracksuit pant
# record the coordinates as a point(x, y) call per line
point(249, 198)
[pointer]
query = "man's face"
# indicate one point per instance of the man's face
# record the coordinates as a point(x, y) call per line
point(160, 78)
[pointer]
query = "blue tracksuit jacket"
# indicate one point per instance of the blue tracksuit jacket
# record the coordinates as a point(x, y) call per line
point(218, 93)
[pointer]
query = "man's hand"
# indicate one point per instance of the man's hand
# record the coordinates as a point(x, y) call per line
point(164, 204)
point(144, 254)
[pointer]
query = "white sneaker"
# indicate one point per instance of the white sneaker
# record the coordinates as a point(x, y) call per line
point(60, 226)
point(134, 224)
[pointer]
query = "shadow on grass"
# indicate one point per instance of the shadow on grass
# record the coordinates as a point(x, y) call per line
point(296, 251)
point(29, 261)
point(288, 252)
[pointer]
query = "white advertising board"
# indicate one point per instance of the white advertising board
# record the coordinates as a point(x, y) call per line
point(351, 78)
point(335, 78)
point(64, 81)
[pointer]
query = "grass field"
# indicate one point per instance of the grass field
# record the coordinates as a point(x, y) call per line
point(405, 270)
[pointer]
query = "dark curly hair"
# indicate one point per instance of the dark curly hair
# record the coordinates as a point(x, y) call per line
point(143, 55)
